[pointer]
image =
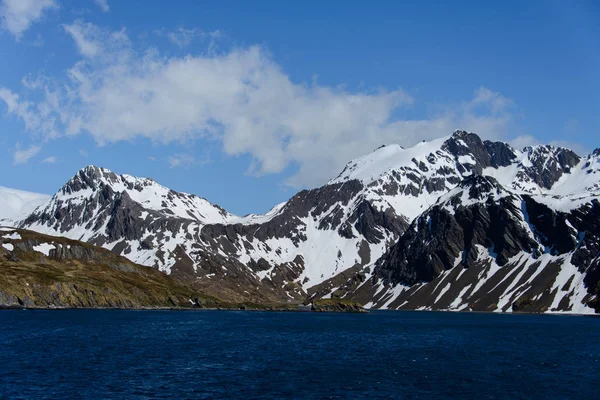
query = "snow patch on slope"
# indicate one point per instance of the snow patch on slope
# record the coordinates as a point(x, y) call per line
point(44, 248)
point(12, 236)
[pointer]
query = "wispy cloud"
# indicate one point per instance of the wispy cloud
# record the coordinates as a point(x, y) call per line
point(103, 4)
point(36, 117)
point(93, 41)
point(18, 15)
point(187, 160)
point(49, 160)
point(22, 156)
point(243, 99)
point(183, 37)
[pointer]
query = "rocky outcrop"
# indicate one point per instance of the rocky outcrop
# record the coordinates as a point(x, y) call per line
point(336, 305)
point(484, 153)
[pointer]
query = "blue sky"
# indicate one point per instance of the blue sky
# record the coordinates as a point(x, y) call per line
point(245, 103)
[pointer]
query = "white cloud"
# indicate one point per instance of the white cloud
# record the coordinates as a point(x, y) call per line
point(103, 4)
point(22, 156)
point(243, 99)
point(36, 117)
point(83, 153)
point(49, 160)
point(18, 15)
point(92, 41)
point(492, 100)
point(80, 33)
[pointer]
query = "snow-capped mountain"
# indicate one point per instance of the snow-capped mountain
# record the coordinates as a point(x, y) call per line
point(18, 204)
point(460, 173)
point(327, 241)
point(411, 180)
point(139, 219)
point(310, 238)
point(484, 247)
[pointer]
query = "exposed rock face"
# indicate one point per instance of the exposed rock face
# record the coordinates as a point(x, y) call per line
point(485, 154)
point(451, 232)
point(476, 209)
point(549, 164)
point(332, 305)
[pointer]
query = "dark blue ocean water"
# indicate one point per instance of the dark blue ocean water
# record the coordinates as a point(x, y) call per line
point(225, 354)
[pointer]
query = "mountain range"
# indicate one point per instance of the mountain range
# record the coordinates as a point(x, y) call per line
point(458, 223)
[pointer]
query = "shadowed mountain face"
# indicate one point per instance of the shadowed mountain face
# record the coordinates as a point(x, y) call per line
point(393, 221)
point(477, 214)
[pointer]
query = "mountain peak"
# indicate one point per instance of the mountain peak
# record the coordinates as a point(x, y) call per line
point(94, 191)
point(539, 149)
point(385, 158)
point(546, 149)
point(94, 171)
point(373, 166)
point(92, 177)
point(89, 177)
point(460, 134)
point(460, 142)
point(546, 155)
point(92, 167)
point(475, 154)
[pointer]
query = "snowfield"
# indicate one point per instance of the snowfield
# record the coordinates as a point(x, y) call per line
point(18, 204)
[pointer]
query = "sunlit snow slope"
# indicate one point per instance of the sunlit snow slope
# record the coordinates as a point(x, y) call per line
point(17, 204)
